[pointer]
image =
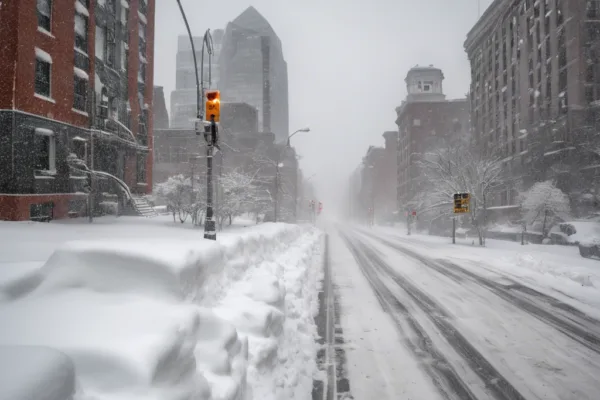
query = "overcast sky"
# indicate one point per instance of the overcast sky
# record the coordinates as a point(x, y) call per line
point(347, 60)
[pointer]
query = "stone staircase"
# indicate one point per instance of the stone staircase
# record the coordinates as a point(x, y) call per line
point(143, 208)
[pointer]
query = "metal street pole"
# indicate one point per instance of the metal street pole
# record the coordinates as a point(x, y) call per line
point(198, 87)
point(210, 231)
point(295, 175)
point(296, 193)
point(209, 225)
point(276, 200)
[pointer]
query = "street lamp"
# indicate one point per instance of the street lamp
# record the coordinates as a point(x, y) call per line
point(307, 129)
point(210, 231)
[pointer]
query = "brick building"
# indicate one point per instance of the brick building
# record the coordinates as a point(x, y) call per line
point(70, 85)
point(535, 84)
point(426, 121)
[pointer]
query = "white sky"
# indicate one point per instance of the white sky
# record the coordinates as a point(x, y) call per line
point(347, 60)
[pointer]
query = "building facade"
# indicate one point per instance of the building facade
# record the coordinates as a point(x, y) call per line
point(535, 84)
point(71, 87)
point(177, 151)
point(159, 109)
point(254, 71)
point(426, 121)
point(184, 104)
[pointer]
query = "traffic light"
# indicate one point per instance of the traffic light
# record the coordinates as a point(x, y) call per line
point(462, 202)
point(213, 105)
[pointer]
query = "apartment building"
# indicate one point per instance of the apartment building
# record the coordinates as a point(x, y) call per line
point(426, 120)
point(75, 80)
point(535, 81)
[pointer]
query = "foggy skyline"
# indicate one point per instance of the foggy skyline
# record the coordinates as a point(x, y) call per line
point(346, 67)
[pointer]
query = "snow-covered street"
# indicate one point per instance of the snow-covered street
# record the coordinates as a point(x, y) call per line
point(135, 308)
point(423, 318)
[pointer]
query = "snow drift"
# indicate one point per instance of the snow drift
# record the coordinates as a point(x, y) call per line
point(172, 318)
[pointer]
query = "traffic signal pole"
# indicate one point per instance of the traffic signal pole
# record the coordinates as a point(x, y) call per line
point(210, 226)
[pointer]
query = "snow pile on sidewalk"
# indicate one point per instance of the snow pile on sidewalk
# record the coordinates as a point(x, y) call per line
point(170, 318)
point(556, 270)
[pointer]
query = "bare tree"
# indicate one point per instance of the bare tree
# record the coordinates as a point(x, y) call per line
point(458, 170)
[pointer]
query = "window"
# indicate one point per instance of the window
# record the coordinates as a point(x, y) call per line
point(42, 77)
point(44, 150)
point(142, 73)
point(110, 46)
point(44, 12)
point(124, 57)
point(80, 94)
point(559, 15)
point(143, 6)
point(141, 168)
point(81, 33)
point(427, 86)
point(100, 42)
point(43, 212)
point(142, 31)
point(113, 108)
point(110, 5)
point(125, 23)
point(589, 94)
point(103, 109)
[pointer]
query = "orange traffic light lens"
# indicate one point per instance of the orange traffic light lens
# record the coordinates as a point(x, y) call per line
point(212, 96)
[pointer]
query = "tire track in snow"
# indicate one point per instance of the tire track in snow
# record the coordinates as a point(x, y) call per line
point(568, 320)
point(498, 386)
point(444, 377)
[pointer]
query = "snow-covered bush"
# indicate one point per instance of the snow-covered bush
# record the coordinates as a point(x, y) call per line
point(546, 204)
point(176, 192)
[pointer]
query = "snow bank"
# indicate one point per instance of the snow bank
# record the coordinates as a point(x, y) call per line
point(173, 318)
point(31, 372)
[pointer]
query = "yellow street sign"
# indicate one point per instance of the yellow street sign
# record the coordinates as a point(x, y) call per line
point(213, 105)
point(462, 203)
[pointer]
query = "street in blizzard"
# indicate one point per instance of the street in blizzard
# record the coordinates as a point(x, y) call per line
point(300, 200)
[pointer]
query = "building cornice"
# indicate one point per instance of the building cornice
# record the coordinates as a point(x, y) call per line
point(487, 22)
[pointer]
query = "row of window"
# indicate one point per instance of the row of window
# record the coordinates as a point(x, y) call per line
point(44, 147)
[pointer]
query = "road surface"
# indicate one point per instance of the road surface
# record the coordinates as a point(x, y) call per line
point(439, 330)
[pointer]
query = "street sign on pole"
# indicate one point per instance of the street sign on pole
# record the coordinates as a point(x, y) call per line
point(462, 202)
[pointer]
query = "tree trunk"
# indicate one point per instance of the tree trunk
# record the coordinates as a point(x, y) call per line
point(230, 220)
point(484, 227)
point(544, 223)
point(174, 220)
